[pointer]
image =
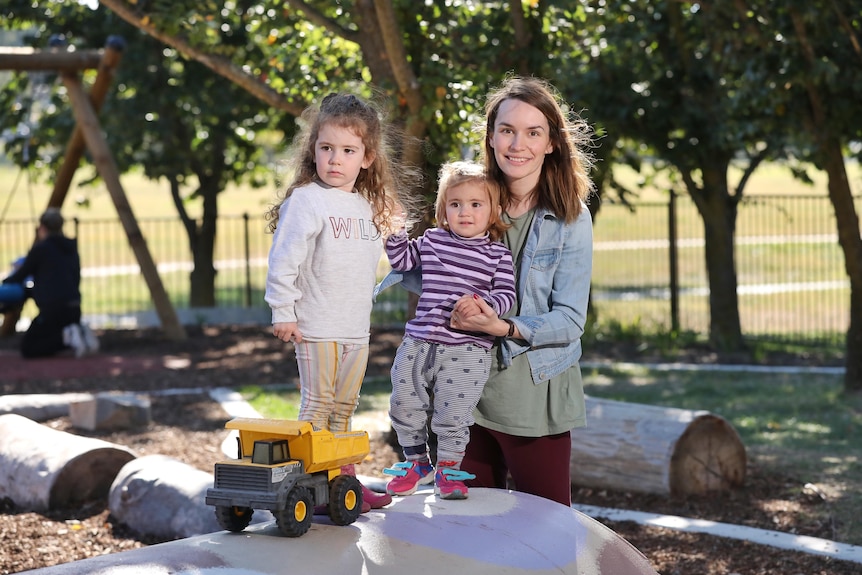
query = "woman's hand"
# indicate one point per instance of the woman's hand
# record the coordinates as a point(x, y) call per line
point(287, 331)
point(472, 313)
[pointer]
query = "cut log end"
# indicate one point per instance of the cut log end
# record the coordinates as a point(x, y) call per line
point(87, 477)
point(655, 449)
point(42, 468)
point(708, 457)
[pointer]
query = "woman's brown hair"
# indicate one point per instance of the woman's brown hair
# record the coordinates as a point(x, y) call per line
point(564, 185)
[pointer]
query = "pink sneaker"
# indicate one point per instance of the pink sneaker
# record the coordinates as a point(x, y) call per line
point(408, 475)
point(449, 483)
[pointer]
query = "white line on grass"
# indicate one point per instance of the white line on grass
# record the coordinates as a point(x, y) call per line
point(813, 545)
point(605, 364)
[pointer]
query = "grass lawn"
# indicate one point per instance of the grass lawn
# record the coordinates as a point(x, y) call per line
point(283, 402)
point(802, 425)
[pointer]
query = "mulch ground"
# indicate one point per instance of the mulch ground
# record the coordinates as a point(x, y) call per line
point(230, 356)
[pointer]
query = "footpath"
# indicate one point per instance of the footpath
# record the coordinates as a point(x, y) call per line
point(15, 368)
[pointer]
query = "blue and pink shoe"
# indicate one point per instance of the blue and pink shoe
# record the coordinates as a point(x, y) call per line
point(449, 482)
point(408, 476)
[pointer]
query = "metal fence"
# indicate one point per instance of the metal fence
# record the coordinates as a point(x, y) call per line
point(790, 271)
point(792, 284)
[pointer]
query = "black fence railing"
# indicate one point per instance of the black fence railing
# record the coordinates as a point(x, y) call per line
point(790, 270)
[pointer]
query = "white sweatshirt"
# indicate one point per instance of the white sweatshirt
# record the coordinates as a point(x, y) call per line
point(323, 264)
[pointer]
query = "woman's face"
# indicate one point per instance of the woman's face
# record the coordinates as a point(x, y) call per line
point(520, 140)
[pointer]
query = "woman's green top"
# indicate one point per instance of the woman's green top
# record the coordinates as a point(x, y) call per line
point(511, 401)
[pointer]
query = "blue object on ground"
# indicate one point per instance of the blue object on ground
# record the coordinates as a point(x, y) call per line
point(11, 294)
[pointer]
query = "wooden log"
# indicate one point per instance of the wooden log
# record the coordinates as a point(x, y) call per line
point(43, 468)
point(163, 497)
point(40, 406)
point(651, 449)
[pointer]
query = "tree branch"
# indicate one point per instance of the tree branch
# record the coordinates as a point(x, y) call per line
point(522, 37)
point(217, 64)
point(317, 18)
point(848, 28)
point(753, 163)
point(408, 85)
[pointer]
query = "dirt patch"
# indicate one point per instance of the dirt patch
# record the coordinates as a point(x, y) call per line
point(217, 357)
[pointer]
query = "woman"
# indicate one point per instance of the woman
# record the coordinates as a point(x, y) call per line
point(534, 396)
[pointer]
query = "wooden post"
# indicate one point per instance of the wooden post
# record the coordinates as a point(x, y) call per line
point(95, 141)
point(10, 319)
point(54, 60)
point(75, 147)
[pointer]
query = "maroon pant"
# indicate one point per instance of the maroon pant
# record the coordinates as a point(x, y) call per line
point(538, 465)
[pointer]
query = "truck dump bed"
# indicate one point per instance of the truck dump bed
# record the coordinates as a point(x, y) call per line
point(319, 449)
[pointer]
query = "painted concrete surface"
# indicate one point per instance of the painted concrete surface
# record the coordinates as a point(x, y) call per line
point(494, 531)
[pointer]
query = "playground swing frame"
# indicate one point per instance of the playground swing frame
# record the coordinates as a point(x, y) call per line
point(88, 134)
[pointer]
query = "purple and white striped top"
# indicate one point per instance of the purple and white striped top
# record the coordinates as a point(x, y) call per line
point(453, 266)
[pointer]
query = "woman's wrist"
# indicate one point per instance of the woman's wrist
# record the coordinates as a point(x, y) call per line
point(509, 326)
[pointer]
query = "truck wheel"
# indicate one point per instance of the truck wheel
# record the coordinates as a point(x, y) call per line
point(345, 499)
point(295, 519)
point(233, 518)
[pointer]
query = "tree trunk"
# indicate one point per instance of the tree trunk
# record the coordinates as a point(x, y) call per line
point(203, 240)
point(847, 219)
point(831, 158)
point(202, 276)
point(853, 361)
point(651, 449)
point(718, 210)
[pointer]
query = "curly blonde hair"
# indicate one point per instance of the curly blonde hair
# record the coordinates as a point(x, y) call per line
point(383, 183)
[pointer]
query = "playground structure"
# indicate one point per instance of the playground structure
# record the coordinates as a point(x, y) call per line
point(88, 135)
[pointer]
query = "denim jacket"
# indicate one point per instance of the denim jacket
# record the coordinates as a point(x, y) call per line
point(553, 289)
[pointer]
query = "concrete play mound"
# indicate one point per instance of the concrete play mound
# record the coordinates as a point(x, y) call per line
point(495, 532)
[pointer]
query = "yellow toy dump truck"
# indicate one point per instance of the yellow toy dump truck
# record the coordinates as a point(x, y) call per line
point(289, 468)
